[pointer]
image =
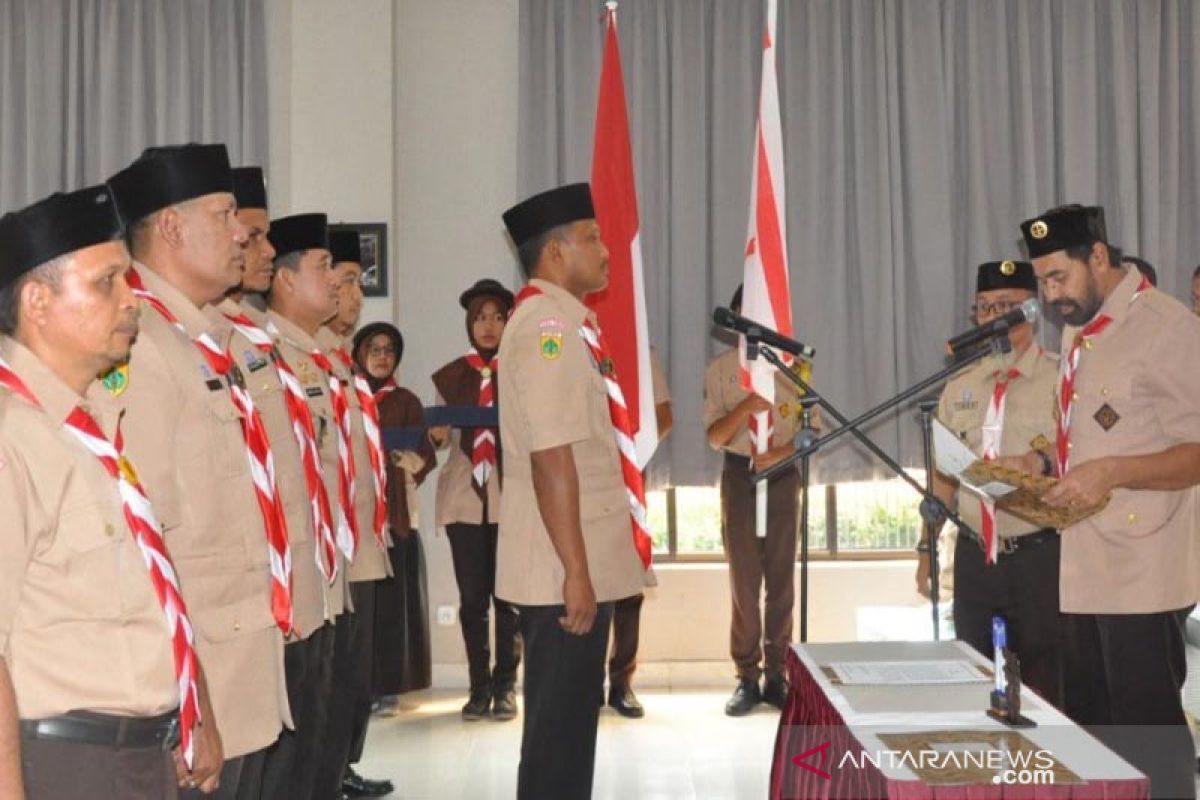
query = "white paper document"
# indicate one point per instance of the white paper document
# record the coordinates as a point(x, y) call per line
point(906, 673)
point(953, 457)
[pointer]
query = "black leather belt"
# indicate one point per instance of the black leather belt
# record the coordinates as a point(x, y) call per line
point(1011, 544)
point(85, 727)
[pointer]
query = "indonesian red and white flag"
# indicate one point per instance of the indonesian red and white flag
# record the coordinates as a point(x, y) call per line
point(621, 308)
point(766, 295)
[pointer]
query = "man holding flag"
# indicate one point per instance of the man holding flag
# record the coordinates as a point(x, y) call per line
point(749, 423)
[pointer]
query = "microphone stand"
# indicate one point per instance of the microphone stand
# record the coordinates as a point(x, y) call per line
point(936, 509)
point(804, 439)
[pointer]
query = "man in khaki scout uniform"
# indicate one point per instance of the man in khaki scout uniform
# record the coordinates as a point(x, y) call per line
point(566, 549)
point(181, 224)
point(299, 298)
point(754, 561)
point(1129, 431)
point(627, 612)
point(352, 711)
point(289, 764)
point(1004, 406)
point(88, 691)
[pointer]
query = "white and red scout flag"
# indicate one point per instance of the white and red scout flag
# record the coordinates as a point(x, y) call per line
point(766, 295)
point(621, 308)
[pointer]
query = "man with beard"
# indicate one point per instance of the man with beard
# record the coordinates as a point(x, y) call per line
point(90, 700)
point(196, 442)
point(1128, 432)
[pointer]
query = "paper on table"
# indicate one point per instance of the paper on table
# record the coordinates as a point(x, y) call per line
point(905, 673)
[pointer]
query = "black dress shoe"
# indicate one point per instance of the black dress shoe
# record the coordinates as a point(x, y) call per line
point(478, 705)
point(355, 785)
point(775, 692)
point(504, 705)
point(625, 702)
point(745, 697)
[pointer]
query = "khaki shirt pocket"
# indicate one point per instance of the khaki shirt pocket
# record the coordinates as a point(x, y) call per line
point(1137, 513)
point(239, 618)
point(93, 538)
point(226, 450)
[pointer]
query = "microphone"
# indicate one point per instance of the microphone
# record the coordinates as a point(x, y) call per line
point(724, 318)
point(997, 327)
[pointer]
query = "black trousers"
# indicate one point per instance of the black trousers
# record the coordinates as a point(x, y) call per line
point(340, 727)
point(1124, 674)
point(626, 625)
point(755, 563)
point(57, 770)
point(1021, 587)
point(291, 762)
point(564, 688)
point(362, 676)
point(473, 549)
point(403, 662)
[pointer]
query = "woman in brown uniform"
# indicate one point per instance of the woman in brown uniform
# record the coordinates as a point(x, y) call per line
point(402, 657)
point(468, 495)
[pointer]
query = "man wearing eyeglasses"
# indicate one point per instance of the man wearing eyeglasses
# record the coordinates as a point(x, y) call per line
point(1004, 405)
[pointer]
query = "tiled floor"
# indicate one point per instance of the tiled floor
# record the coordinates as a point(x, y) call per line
point(685, 747)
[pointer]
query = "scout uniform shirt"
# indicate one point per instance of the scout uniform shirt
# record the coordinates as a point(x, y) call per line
point(185, 436)
point(371, 562)
point(1136, 390)
point(1029, 422)
point(295, 346)
point(723, 391)
point(81, 628)
point(456, 499)
point(553, 395)
point(309, 610)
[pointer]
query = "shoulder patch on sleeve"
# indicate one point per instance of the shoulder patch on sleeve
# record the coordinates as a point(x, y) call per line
point(550, 338)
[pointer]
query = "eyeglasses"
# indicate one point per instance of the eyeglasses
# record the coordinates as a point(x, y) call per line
point(386, 350)
point(998, 307)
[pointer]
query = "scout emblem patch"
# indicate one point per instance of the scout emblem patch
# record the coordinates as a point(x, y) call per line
point(1008, 268)
point(551, 339)
point(1039, 229)
point(116, 380)
point(1040, 442)
point(1106, 417)
point(968, 401)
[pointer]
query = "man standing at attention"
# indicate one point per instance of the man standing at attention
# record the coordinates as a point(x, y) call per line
point(573, 534)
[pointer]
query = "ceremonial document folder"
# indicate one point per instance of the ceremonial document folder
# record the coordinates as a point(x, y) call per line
point(1018, 493)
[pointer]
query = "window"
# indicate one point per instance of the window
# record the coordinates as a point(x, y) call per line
point(877, 519)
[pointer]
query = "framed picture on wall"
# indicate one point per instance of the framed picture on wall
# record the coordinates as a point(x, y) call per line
point(372, 239)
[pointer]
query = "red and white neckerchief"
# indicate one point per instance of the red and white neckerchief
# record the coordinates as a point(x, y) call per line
point(258, 453)
point(300, 416)
point(370, 420)
point(387, 388)
point(993, 432)
point(347, 520)
point(1068, 370)
point(618, 415)
point(483, 447)
point(139, 516)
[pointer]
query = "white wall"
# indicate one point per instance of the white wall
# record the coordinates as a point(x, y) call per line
point(406, 111)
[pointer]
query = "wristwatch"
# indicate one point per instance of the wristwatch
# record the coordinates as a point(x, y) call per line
point(1047, 464)
point(923, 546)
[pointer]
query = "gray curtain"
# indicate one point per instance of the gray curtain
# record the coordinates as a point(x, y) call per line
point(917, 135)
point(85, 85)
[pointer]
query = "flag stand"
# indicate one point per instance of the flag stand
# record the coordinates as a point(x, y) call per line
point(929, 500)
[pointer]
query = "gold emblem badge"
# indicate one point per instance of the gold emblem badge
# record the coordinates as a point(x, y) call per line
point(127, 471)
point(785, 410)
point(116, 380)
point(1039, 229)
point(1008, 268)
point(1040, 442)
point(485, 373)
